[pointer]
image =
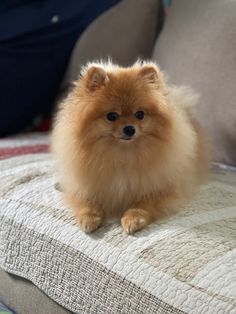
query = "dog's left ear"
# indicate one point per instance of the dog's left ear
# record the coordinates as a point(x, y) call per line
point(96, 77)
point(150, 73)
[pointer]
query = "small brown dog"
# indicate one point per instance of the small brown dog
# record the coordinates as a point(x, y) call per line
point(126, 145)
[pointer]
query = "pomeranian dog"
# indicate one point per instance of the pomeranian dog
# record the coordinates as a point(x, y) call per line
point(126, 145)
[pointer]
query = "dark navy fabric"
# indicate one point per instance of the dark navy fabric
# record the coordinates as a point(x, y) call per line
point(36, 40)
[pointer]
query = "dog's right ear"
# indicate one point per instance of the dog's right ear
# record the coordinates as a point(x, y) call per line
point(95, 78)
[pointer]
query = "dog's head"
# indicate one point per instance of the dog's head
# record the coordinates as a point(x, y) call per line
point(123, 107)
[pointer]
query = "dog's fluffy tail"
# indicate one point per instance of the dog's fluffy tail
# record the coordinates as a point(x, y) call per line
point(183, 96)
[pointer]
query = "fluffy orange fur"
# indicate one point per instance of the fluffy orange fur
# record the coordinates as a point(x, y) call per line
point(140, 179)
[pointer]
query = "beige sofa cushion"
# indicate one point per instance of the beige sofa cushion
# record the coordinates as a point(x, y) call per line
point(124, 33)
point(197, 47)
point(181, 264)
point(22, 296)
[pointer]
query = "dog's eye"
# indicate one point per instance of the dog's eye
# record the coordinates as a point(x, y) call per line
point(112, 116)
point(139, 115)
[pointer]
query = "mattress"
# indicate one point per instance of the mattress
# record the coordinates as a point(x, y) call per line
point(183, 264)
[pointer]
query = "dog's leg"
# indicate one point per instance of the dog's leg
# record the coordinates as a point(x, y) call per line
point(135, 219)
point(145, 212)
point(88, 217)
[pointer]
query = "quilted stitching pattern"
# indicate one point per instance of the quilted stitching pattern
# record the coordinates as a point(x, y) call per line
point(186, 264)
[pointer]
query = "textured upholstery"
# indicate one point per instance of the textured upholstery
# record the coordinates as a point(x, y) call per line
point(197, 47)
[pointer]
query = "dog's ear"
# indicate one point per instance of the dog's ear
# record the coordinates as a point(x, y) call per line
point(96, 77)
point(150, 73)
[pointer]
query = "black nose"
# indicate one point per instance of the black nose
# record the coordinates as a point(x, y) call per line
point(129, 130)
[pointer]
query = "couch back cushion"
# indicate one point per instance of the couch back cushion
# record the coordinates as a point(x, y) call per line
point(197, 47)
point(124, 33)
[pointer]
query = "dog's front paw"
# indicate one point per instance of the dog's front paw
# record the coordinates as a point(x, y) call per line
point(89, 222)
point(134, 220)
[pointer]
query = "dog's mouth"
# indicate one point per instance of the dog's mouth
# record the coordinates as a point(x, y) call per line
point(124, 138)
